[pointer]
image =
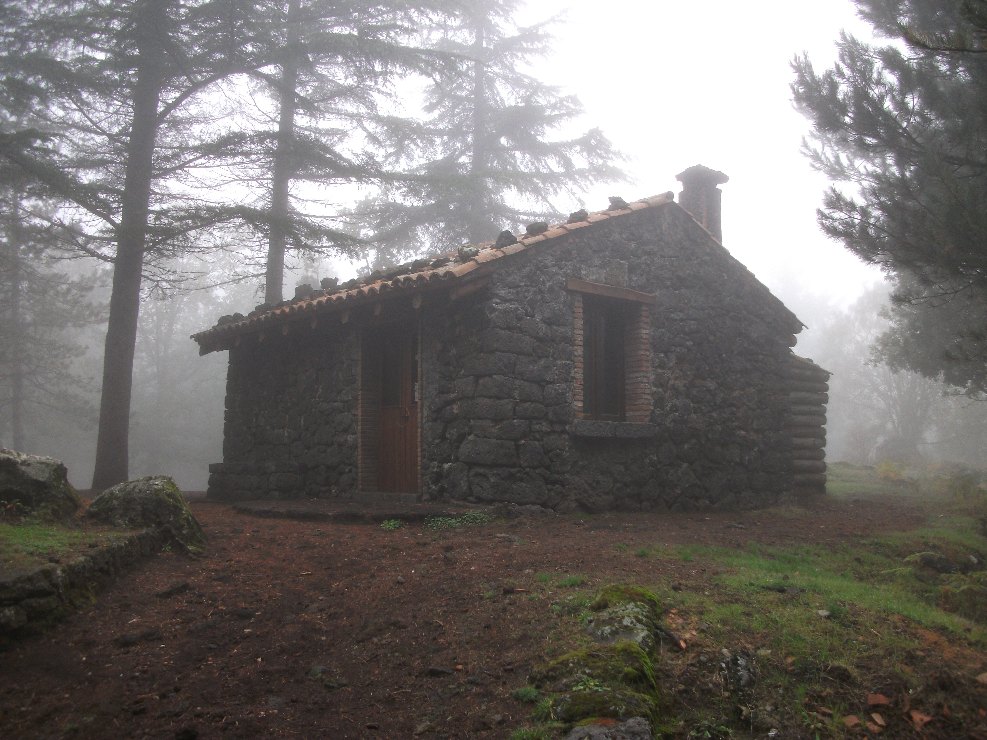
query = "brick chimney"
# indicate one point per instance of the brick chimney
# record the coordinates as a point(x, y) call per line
point(701, 198)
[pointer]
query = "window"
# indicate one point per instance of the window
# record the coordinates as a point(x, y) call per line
point(612, 354)
point(605, 328)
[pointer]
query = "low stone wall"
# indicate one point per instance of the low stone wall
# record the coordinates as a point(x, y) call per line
point(29, 603)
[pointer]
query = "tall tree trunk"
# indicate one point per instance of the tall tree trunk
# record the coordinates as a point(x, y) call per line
point(478, 223)
point(283, 168)
point(112, 452)
point(16, 324)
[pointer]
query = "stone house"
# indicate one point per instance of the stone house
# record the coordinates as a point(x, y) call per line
point(623, 359)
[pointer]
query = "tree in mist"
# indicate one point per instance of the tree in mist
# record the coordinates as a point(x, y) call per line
point(880, 411)
point(494, 147)
point(902, 129)
point(118, 79)
point(333, 64)
point(40, 306)
point(179, 396)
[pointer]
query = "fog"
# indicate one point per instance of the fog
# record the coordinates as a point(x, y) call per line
point(671, 85)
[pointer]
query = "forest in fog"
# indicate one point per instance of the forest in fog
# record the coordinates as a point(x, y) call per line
point(164, 163)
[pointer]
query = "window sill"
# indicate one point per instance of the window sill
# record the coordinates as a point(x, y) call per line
point(612, 429)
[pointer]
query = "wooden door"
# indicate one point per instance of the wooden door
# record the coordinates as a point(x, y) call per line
point(398, 454)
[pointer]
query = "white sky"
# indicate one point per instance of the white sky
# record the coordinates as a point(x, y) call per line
point(673, 84)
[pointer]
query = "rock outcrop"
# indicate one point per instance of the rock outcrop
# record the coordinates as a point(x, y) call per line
point(153, 502)
point(36, 486)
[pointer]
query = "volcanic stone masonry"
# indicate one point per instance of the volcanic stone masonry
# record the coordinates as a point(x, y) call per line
point(808, 394)
point(724, 415)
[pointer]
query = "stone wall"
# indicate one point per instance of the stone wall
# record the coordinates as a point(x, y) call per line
point(291, 416)
point(808, 394)
point(31, 602)
point(501, 423)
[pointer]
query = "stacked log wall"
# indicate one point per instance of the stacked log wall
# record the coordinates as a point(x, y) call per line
point(808, 394)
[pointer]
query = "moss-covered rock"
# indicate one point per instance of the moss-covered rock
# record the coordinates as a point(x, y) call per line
point(625, 613)
point(619, 593)
point(607, 702)
point(37, 486)
point(614, 681)
point(966, 595)
point(623, 662)
point(636, 728)
point(153, 502)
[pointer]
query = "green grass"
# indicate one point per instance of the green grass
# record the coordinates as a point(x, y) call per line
point(390, 525)
point(550, 731)
point(469, 519)
point(822, 625)
point(571, 581)
point(843, 480)
point(526, 694)
point(870, 578)
point(29, 544)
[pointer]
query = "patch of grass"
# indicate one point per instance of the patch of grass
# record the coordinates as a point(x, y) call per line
point(945, 530)
point(29, 544)
point(813, 579)
point(390, 525)
point(571, 581)
point(622, 547)
point(469, 519)
point(541, 732)
point(526, 694)
point(819, 627)
point(844, 480)
point(711, 731)
point(642, 552)
point(575, 605)
point(543, 577)
point(543, 710)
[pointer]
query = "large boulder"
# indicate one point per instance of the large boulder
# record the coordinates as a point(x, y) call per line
point(37, 486)
point(153, 502)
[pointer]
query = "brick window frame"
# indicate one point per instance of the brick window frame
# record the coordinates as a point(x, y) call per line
point(632, 309)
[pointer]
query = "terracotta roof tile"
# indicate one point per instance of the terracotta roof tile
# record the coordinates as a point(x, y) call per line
point(440, 269)
point(556, 231)
point(529, 240)
point(513, 248)
point(460, 270)
point(487, 255)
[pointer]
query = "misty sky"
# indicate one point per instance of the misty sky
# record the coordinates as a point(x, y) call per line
point(707, 81)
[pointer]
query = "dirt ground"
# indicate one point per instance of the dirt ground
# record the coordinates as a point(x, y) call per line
point(321, 629)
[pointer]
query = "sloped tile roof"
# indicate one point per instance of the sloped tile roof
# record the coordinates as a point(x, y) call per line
point(419, 275)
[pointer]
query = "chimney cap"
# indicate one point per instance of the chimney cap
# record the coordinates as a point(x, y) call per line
point(701, 175)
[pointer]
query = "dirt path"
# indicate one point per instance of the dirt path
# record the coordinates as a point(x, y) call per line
point(309, 629)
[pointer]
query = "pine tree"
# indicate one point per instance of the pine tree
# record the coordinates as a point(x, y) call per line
point(116, 77)
point(332, 66)
point(902, 130)
point(493, 149)
point(40, 305)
